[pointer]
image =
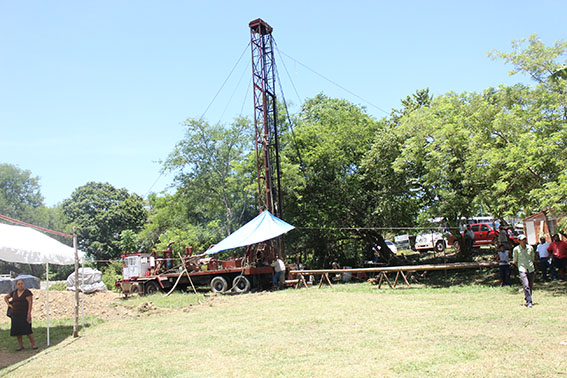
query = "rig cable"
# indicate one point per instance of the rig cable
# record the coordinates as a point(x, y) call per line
point(334, 83)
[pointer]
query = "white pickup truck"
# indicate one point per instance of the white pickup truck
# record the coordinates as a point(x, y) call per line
point(430, 241)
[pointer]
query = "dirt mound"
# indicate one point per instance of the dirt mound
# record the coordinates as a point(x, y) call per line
point(62, 305)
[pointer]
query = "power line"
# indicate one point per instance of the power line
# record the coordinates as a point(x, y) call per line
point(225, 80)
point(233, 92)
point(369, 228)
point(334, 83)
point(301, 166)
point(155, 182)
point(246, 95)
point(210, 103)
point(288, 75)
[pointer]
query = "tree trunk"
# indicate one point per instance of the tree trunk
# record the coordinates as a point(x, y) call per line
point(384, 253)
point(465, 247)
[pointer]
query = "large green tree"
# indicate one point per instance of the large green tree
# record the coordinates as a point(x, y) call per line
point(325, 191)
point(539, 153)
point(208, 163)
point(101, 212)
point(214, 187)
point(20, 194)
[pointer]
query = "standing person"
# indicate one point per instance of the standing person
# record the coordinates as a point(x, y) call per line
point(21, 302)
point(279, 268)
point(523, 257)
point(543, 254)
point(470, 235)
point(503, 258)
point(503, 237)
point(559, 250)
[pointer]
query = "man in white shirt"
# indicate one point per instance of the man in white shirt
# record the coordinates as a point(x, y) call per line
point(544, 259)
point(279, 268)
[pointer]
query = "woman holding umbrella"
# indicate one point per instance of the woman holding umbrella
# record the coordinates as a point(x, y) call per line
point(20, 302)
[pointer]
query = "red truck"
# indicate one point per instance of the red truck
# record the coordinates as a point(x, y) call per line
point(487, 234)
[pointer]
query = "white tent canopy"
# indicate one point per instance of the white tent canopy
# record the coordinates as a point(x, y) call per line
point(264, 227)
point(28, 246)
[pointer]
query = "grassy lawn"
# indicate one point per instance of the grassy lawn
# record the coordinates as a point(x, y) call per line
point(348, 330)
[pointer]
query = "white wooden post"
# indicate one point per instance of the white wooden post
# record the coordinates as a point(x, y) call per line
point(76, 325)
point(47, 298)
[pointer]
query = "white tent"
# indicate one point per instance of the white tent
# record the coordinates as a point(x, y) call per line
point(28, 246)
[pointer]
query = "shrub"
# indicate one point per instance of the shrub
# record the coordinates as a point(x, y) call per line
point(58, 286)
point(111, 274)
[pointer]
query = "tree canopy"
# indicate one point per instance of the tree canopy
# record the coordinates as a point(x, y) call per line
point(101, 212)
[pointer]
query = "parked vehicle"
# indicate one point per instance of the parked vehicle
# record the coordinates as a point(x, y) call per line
point(405, 241)
point(484, 234)
point(430, 241)
point(487, 234)
point(392, 246)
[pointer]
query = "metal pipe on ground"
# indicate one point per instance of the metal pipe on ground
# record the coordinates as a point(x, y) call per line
point(405, 268)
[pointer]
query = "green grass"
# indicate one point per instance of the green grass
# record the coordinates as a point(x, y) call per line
point(59, 286)
point(348, 330)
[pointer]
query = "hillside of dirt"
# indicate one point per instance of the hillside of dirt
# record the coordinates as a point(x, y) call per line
point(62, 305)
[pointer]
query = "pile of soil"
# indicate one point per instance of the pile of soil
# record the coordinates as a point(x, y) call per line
point(62, 305)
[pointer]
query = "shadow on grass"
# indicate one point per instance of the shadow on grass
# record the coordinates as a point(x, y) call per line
point(59, 330)
point(487, 277)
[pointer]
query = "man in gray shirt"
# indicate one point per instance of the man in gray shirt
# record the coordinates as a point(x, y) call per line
point(523, 257)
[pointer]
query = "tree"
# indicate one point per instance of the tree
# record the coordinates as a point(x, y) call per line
point(441, 154)
point(20, 195)
point(209, 171)
point(171, 220)
point(323, 184)
point(391, 194)
point(101, 212)
point(541, 152)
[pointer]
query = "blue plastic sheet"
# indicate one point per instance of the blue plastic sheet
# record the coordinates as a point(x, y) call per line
point(264, 227)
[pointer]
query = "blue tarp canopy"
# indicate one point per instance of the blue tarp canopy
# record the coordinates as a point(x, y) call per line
point(264, 227)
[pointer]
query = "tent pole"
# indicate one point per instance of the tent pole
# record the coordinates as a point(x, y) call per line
point(76, 325)
point(83, 293)
point(47, 298)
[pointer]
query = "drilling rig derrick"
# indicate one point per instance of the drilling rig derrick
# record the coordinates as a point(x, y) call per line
point(265, 124)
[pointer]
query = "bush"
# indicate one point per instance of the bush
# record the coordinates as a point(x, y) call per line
point(111, 274)
point(58, 286)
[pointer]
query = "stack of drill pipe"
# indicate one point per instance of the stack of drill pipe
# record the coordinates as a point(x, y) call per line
point(405, 268)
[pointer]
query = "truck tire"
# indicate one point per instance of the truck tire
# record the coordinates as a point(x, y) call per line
point(219, 284)
point(241, 284)
point(135, 289)
point(440, 246)
point(151, 288)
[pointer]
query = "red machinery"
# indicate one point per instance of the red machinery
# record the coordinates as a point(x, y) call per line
point(147, 273)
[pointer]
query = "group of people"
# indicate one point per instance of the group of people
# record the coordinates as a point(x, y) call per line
point(552, 256)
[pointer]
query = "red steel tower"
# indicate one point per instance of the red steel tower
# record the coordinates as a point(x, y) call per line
point(265, 119)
